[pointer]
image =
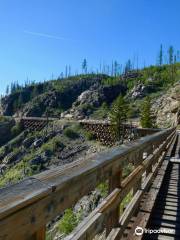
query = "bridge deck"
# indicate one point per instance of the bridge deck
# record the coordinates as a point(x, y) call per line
point(160, 208)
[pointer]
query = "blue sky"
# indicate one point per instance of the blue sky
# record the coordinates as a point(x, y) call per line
point(39, 37)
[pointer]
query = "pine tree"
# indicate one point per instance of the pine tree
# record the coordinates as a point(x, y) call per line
point(171, 54)
point(116, 68)
point(34, 92)
point(69, 71)
point(66, 71)
point(7, 90)
point(146, 119)
point(20, 100)
point(178, 56)
point(161, 55)
point(112, 69)
point(128, 66)
point(84, 66)
point(118, 116)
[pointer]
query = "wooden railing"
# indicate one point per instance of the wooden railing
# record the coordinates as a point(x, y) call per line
point(26, 207)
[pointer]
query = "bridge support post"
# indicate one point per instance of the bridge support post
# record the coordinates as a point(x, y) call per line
point(150, 167)
point(39, 235)
point(113, 219)
point(137, 186)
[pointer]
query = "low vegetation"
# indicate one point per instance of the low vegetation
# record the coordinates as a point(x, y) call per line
point(118, 117)
point(70, 133)
point(68, 222)
point(146, 118)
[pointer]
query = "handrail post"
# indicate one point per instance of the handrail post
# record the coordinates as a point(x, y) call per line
point(137, 186)
point(150, 167)
point(113, 219)
point(39, 235)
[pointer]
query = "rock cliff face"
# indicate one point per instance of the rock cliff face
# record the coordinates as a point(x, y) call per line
point(139, 91)
point(55, 96)
point(167, 107)
point(93, 98)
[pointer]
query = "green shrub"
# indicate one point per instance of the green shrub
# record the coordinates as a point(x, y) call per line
point(47, 147)
point(57, 144)
point(103, 188)
point(16, 130)
point(126, 201)
point(68, 222)
point(127, 170)
point(4, 119)
point(90, 136)
point(146, 118)
point(34, 169)
point(49, 236)
point(70, 133)
point(11, 176)
point(87, 107)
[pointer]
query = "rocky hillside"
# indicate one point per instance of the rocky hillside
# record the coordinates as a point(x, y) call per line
point(167, 107)
point(32, 152)
point(91, 95)
point(58, 96)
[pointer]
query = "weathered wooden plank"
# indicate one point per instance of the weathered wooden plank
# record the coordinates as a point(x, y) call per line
point(113, 219)
point(129, 211)
point(135, 201)
point(164, 223)
point(114, 234)
point(95, 222)
point(131, 208)
point(22, 194)
point(107, 207)
point(40, 235)
point(146, 208)
point(158, 237)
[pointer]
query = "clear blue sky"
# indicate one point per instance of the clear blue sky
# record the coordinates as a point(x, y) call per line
point(39, 37)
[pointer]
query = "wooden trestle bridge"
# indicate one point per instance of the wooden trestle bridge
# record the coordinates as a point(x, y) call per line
point(153, 213)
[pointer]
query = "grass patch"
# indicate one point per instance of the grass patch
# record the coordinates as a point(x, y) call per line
point(68, 222)
point(89, 135)
point(126, 201)
point(103, 188)
point(71, 133)
point(101, 112)
point(11, 176)
point(127, 170)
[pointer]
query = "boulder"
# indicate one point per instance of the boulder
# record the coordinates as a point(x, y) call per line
point(28, 142)
point(139, 91)
point(37, 160)
point(88, 203)
point(38, 143)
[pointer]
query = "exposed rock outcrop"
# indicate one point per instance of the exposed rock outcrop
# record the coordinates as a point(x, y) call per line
point(52, 96)
point(166, 108)
point(139, 91)
point(92, 98)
